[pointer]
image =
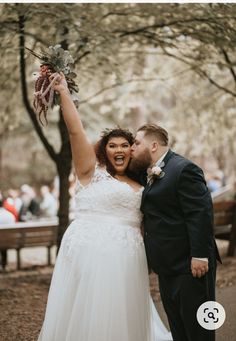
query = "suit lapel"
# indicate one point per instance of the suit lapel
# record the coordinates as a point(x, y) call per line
point(164, 163)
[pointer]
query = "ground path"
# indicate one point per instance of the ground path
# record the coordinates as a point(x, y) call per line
point(23, 296)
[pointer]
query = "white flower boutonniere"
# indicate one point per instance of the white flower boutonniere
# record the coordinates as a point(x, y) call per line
point(154, 173)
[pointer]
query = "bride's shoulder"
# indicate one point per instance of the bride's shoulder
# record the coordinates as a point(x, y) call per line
point(101, 170)
point(99, 174)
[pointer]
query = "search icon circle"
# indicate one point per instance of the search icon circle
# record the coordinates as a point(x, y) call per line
point(211, 315)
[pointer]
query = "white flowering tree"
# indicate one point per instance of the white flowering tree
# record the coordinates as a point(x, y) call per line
point(167, 62)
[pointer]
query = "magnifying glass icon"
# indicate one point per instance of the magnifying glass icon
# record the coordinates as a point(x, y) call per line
point(211, 315)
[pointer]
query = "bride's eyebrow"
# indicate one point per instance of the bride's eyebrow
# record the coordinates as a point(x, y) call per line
point(118, 144)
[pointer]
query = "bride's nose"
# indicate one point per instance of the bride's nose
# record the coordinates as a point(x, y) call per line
point(119, 149)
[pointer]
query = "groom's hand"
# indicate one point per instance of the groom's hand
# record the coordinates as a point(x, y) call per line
point(199, 267)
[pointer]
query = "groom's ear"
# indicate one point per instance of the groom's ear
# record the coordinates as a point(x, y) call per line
point(154, 146)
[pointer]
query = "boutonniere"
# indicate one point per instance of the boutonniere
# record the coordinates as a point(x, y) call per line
point(154, 173)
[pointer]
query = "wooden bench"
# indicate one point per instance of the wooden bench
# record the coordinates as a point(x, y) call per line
point(225, 223)
point(28, 234)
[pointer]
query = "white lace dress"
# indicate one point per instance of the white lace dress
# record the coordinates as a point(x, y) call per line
point(100, 287)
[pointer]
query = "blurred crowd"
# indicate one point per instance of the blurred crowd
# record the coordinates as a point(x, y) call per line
point(215, 180)
point(25, 203)
point(19, 205)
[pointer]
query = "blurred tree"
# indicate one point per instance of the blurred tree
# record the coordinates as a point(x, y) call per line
point(126, 48)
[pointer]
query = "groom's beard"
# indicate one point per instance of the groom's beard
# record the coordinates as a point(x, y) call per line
point(140, 163)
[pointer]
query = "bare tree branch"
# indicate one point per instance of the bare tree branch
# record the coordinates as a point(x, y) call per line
point(228, 61)
point(201, 73)
point(205, 20)
point(115, 85)
point(30, 110)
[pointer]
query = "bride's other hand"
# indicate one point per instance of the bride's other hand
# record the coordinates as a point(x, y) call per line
point(59, 82)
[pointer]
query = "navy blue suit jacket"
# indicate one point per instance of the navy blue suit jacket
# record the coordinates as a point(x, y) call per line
point(178, 218)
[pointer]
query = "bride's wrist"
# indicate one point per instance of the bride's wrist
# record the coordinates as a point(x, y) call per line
point(64, 91)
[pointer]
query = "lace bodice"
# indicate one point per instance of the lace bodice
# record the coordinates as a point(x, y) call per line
point(107, 216)
point(107, 197)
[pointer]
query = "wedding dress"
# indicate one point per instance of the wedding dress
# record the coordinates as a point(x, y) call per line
point(100, 287)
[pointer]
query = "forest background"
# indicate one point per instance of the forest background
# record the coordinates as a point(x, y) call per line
point(173, 64)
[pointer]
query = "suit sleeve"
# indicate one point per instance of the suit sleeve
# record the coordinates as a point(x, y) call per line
point(196, 204)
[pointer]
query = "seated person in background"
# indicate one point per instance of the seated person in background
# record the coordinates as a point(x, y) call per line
point(11, 208)
point(30, 206)
point(13, 197)
point(48, 205)
point(6, 217)
point(214, 183)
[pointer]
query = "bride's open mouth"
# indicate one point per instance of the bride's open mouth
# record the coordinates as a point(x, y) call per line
point(119, 160)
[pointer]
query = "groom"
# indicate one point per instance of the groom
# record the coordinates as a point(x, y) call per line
point(178, 231)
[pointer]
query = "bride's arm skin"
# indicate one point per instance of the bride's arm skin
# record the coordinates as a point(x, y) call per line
point(83, 153)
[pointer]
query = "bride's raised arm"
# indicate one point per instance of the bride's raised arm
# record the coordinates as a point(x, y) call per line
point(83, 153)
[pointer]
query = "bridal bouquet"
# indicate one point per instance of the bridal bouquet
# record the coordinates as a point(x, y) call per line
point(55, 60)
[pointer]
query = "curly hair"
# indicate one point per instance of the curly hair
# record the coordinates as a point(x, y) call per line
point(100, 146)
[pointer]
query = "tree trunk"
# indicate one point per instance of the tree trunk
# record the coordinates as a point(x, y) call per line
point(64, 168)
point(63, 211)
point(63, 158)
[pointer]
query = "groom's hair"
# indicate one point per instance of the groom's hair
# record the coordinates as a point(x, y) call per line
point(153, 130)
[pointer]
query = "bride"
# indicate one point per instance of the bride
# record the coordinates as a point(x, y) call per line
point(100, 287)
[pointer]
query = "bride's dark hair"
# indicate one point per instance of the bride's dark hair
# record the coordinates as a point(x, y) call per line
point(100, 146)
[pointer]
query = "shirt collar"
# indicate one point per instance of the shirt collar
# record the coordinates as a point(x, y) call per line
point(159, 161)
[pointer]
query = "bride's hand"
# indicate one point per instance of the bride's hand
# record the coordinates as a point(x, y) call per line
point(59, 82)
